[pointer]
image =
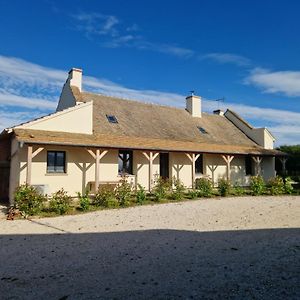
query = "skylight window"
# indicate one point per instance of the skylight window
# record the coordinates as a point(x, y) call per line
point(202, 130)
point(111, 119)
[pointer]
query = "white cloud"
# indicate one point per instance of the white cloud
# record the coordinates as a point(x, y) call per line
point(174, 50)
point(47, 83)
point(32, 103)
point(133, 27)
point(285, 82)
point(95, 26)
point(227, 58)
point(15, 70)
point(8, 118)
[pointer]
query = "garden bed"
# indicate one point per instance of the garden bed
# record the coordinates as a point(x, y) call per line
point(30, 203)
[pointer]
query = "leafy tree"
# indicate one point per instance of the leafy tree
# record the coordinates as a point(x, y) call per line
point(293, 161)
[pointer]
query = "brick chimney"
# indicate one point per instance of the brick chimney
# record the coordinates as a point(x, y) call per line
point(75, 78)
point(193, 105)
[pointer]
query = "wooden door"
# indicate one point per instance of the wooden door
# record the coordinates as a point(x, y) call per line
point(4, 182)
point(164, 165)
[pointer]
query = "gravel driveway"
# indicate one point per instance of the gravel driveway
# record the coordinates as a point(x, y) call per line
point(233, 248)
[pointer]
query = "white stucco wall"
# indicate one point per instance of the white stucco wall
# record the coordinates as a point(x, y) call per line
point(78, 119)
point(215, 168)
point(268, 167)
point(141, 168)
point(80, 169)
point(181, 168)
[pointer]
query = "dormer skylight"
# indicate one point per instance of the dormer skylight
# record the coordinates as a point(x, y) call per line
point(111, 119)
point(202, 130)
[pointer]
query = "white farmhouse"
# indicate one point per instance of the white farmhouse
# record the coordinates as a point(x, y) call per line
point(92, 139)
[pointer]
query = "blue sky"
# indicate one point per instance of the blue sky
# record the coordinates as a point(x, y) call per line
point(155, 51)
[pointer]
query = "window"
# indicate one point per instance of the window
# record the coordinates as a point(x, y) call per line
point(111, 119)
point(199, 165)
point(202, 130)
point(248, 165)
point(125, 162)
point(56, 162)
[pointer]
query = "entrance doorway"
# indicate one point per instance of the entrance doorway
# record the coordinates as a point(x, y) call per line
point(164, 165)
point(4, 182)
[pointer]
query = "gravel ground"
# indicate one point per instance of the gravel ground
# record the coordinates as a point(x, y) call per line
point(233, 248)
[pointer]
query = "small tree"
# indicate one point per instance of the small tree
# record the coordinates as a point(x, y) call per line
point(106, 197)
point(123, 191)
point(257, 185)
point(276, 185)
point(161, 189)
point(288, 187)
point(140, 194)
point(60, 202)
point(178, 192)
point(224, 187)
point(29, 200)
point(84, 201)
point(204, 187)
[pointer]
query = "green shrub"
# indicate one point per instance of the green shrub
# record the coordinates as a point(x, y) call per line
point(224, 187)
point(204, 187)
point(257, 185)
point(238, 190)
point(123, 192)
point(192, 194)
point(140, 194)
point(28, 199)
point(288, 188)
point(276, 185)
point(60, 202)
point(161, 189)
point(106, 197)
point(178, 192)
point(84, 201)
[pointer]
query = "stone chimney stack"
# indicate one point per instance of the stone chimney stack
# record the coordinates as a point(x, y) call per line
point(75, 78)
point(193, 105)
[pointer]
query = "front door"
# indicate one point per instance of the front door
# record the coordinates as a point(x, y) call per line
point(4, 182)
point(164, 165)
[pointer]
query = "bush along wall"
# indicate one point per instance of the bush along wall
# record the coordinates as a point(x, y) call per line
point(30, 202)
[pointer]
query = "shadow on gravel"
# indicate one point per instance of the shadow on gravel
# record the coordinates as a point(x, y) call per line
point(155, 264)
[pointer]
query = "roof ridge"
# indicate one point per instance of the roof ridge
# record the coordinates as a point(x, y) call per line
point(135, 101)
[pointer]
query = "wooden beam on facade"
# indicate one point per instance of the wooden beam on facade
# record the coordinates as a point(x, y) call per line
point(257, 161)
point(37, 151)
point(283, 162)
point(91, 153)
point(97, 163)
point(228, 159)
point(213, 168)
point(150, 157)
point(193, 157)
point(98, 155)
point(29, 165)
point(30, 156)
